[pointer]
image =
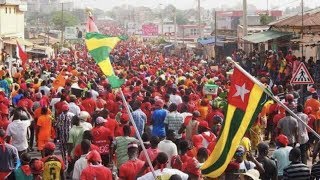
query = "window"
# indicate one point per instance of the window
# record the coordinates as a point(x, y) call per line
point(194, 32)
point(10, 10)
point(6, 10)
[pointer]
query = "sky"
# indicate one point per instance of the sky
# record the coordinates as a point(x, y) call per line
point(208, 4)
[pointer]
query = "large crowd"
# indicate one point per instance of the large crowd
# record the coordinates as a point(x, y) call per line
point(87, 122)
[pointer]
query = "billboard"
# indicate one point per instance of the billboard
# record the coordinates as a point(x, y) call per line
point(150, 30)
point(70, 33)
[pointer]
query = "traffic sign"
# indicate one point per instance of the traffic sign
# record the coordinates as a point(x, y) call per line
point(302, 75)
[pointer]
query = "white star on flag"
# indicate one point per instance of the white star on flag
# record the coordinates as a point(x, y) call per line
point(241, 91)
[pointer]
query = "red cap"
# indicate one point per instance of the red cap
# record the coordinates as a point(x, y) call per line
point(37, 167)
point(204, 124)
point(94, 156)
point(50, 146)
point(124, 117)
point(282, 139)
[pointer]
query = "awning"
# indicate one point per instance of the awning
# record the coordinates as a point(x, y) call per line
point(265, 36)
point(209, 41)
point(20, 41)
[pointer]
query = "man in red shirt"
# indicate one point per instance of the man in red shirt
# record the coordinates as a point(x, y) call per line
point(124, 120)
point(58, 106)
point(129, 170)
point(95, 170)
point(89, 104)
point(103, 139)
point(111, 124)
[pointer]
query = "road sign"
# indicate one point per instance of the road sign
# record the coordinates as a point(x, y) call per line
point(302, 75)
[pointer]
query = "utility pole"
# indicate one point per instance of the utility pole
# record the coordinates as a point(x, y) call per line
point(161, 14)
point(245, 23)
point(175, 25)
point(302, 25)
point(215, 35)
point(62, 25)
point(199, 19)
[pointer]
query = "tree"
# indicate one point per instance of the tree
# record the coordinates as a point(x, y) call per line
point(265, 19)
point(181, 18)
point(68, 19)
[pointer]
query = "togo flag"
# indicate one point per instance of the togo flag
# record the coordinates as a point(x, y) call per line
point(245, 101)
point(99, 47)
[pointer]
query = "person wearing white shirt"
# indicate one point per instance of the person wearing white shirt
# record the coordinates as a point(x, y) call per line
point(84, 116)
point(82, 162)
point(167, 146)
point(17, 130)
point(174, 98)
point(73, 107)
point(94, 94)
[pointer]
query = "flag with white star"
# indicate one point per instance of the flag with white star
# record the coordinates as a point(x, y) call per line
point(245, 102)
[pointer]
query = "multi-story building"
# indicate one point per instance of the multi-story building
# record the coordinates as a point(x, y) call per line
point(12, 24)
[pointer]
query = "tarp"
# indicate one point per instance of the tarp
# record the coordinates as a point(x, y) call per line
point(265, 36)
point(210, 41)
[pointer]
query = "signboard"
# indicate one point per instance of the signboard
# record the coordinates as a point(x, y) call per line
point(302, 75)
point(70, 33)
point(210, 89)
point(149, 30)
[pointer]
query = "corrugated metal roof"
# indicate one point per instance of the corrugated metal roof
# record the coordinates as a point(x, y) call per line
point(310, 18)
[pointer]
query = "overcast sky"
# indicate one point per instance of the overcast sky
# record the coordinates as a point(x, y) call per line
point(208, 4)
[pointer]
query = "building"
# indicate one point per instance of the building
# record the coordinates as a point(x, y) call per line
point(251, 30)
point(48, 6)
point(12, 25)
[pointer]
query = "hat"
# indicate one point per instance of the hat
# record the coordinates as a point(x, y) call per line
point(84, 115)
point(252, 173)
point(204, 124)
point(197, 140)
point(132, 145)
point(93, 156)
point(124, 117)
point(65, 107)
point(283, 139)
point(100, 120)
point(50, 146)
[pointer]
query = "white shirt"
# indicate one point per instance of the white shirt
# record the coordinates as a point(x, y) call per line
point(86, 126)
point(302, 129)
point(80, 165)
point(94, 94)
point(75, 109)
point(46, 90)
point(18, 131)
point(166, 172)
point(169, 148)
point(243, 166)
point(175, 99)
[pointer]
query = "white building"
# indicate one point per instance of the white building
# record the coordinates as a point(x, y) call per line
point(12, 25)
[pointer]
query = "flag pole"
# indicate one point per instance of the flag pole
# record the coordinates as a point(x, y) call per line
point(263, 87)
point(138, 134)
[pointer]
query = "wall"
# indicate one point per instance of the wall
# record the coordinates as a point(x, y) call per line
point(11, 24)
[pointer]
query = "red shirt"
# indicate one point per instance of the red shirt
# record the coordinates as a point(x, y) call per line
point(102, 139)
point(277, 118)
point(112, 125)
point(89, 105)
point(119, 131)
point(78, 151)
point(96, 172)
point(130, 169)
point(153, 153)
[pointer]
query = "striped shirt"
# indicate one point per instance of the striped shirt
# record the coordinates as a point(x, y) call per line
point(315, 171)
point(296, 171)
point(174, 120)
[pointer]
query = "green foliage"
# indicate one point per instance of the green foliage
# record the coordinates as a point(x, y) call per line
point(181, 18)
point(265, 19)
point(67, 20)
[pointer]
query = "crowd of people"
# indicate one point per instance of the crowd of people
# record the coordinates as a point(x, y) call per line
point(87, 122)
